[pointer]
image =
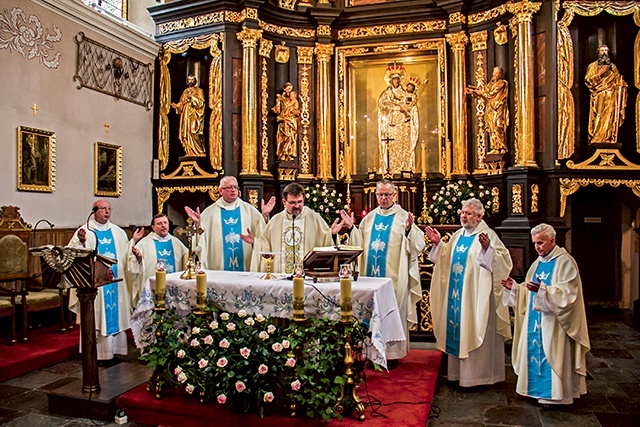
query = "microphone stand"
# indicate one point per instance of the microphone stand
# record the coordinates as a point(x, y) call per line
point(293, 240)
point(51, 225)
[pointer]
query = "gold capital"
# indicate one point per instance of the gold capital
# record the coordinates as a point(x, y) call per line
point(478, 40)
point(305, 55)
point(457, 40)
point(249, 37)
point(265, 47)
point(524, 10)
point(324, 52)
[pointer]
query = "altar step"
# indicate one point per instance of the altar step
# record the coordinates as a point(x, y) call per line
point(402, 395)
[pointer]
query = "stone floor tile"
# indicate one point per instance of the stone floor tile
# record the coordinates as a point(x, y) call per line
point(7, 415)
point(37, 420)
point(616, 420)
point(65, 368)
point(560, 418)
point(34, 379)
point(625, 405)
point(630, 389)
point(610, 353)
point(54, 385)
point(32, 401)
point(7, 391)
point(512, 415)
point(604, 389)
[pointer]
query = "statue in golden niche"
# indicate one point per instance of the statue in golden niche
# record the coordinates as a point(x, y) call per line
point(398, 124)
point(191, 110)
point(608, 99)
point(496, 94)
point(288, 110)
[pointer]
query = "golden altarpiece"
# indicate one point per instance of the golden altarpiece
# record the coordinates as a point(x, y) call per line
point(349, 61)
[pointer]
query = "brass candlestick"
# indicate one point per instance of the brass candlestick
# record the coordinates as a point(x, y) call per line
point(190, 230)
point(349, 391)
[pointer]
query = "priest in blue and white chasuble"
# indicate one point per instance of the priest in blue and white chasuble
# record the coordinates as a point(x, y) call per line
point(391, 251)
point(469, 320)
point(154, 248)
point(114, 303)
point(220, 246)
point(550, 339)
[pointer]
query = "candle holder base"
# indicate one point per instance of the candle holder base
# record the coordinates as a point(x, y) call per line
point(199, 312)
point(269, 276)
point(159, 309)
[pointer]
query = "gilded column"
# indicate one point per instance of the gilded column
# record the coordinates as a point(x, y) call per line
point(249, 39)
point(458, 42)
point(323, 112)
point(525, 143)
point(479, 47)
point(265, 53)
point(305, 60)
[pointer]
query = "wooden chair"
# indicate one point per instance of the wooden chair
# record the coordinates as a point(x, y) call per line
point(13, 279)
point(34, 296)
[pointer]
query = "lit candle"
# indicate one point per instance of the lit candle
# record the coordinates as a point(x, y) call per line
point(298, 298)
point(346, 304)
point(201, 291)
point(161, 286)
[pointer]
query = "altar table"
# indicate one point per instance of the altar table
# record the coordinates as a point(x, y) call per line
point(374, 301)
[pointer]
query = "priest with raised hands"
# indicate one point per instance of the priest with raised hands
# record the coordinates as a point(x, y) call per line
point(470, 322)
point(392, 244)
point(158, 245)
point(113, 304)
point(220, 246)
point(291, 234)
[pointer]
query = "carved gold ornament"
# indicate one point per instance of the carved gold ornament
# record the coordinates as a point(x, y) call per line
point(500, 34)
point(392, 29)
point(487, 15)
point(534, 197)
point(163, 193)
point(604, 159)
point(282, 53)
point(516, 199)
point(568, 186)
point(495, 204)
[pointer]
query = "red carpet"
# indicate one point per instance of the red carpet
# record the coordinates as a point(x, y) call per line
point(46, 347)
point(405, 395)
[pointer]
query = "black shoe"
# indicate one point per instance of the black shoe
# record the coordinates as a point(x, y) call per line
point(106, 363)
point(392, 364)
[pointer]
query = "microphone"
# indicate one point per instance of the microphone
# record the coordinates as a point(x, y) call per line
point(93, 211)
point(293, 240)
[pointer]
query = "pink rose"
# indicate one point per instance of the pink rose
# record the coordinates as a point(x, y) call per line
point(277, 347)
point(240, 387)
point(231, 326)
point(181, 354)
point(291, 362)
point(208, 340)
point(222, 362)
point(182, 377)
point(195, 330)
point(189, 388)
point(202, 363)
point(249, 321)
point(224, 343)
point(295, 386)
point(177, 370)
point(213, 325)
point(224, 316)
point(245, 352)
point(195, 342)
point(242, 313)
point(263, 335)
point(271, 329)
point(268, 397)
point(222, 399)
point(286, 344)
point(260, 318)
point(262, 369)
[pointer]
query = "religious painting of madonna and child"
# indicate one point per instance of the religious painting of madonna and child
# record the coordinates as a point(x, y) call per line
point(395, 105)
point(36, 160)
point(108, 169)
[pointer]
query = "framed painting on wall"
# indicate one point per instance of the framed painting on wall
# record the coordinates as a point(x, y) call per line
point(36, 160)
point(107, 169)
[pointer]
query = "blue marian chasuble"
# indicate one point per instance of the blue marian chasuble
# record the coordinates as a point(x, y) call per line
point(231, 242)
point(107, 247)
point(379, 245)
point(164, 253)
point(454, 298)
point(538, 368)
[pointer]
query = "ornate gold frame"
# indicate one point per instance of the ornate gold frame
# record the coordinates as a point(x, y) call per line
point(31, 176)
point(107, 163)
point(377, 54)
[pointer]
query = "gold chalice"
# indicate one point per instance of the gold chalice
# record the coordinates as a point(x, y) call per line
point(268, 259)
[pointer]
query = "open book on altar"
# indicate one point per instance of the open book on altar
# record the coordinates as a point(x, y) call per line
point(325, 261)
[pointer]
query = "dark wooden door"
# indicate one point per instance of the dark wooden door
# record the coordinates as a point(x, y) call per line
point(595, 242)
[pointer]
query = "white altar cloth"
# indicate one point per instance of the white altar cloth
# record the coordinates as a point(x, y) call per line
point(374, 301)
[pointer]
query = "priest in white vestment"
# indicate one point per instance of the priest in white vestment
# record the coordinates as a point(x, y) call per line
point(220, 246)
point(113, 304)
point(392, 243)
point(550, 338)
point(291, 233)
point(470, 322)
point(156, 246)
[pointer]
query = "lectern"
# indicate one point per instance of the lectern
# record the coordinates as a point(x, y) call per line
point(86, 271)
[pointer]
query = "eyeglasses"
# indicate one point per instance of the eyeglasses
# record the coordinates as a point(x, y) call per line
point(230, 187)
point(105, 208)
point(385, 194)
